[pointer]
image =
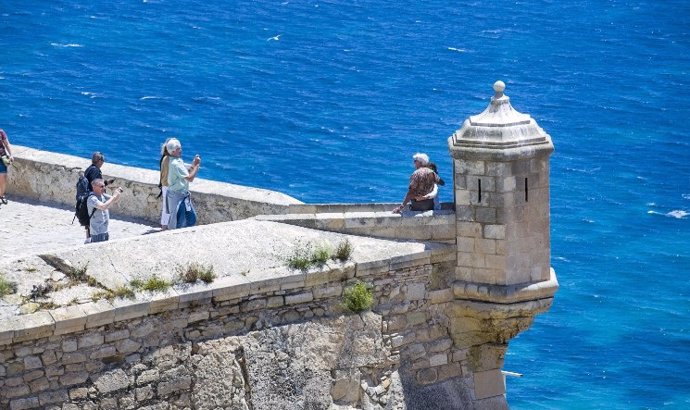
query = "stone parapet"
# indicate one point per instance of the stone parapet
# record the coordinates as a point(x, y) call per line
point(438, 226)
point(51, 177)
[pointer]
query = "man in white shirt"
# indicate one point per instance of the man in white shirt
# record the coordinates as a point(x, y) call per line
point(98, 204)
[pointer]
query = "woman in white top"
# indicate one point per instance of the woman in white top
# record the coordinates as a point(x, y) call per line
point(179, 202)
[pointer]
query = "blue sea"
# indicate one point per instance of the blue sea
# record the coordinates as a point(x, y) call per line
point(327, 101)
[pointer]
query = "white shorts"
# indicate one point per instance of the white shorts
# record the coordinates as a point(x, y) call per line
point(165, 216)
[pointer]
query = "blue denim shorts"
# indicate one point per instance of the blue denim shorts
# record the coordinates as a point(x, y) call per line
point(3, 167)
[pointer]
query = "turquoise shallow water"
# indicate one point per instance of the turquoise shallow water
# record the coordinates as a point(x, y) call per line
point(334, 106)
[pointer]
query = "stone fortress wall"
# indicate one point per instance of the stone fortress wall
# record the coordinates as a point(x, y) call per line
point(263, 336)
point(50, 177)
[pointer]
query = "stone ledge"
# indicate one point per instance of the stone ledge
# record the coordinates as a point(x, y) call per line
point(422, 226)
point(506, 294)
point(304, 287)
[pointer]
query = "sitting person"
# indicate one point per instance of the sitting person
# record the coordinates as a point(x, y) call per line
point(422, 183)
point(434, 194)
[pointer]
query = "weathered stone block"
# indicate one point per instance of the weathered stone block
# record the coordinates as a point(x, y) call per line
point(79, 393)
point(68, 319)
point(196, 296)
point(17, 391)
point(71, 358)
point(415, 291)
point(427, 376)
point(117, 335)
point(14, 381)
point(371, 268)
point(416, 318)
point(470, 167)
point(99, 313)
point(34, 326)
point(440, 296)
point(488, 384)
point(327, 292)
point(442, 345)
point(253, 305)
point(105, 351)
point(40, 384)
point(127, 346)
point(148, 376)
point(299, 298)
point(438, 359)
point(33, 375)
point(32, 362)
point(110, 381)
point(180, 384)
point(90, 340)
point(198, 316)
point(485, 215)
point(230, 287)
point(74, 378)
point(144, 393)
point(275, 301)
point(48, 357)
point(23, 404)
point(162, 302)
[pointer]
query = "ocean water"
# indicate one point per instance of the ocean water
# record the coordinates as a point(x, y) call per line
point(327, 101)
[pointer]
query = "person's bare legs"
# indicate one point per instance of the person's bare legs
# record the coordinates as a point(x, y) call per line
point(3, 184)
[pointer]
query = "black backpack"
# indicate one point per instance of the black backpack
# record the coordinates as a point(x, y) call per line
point(81, 209)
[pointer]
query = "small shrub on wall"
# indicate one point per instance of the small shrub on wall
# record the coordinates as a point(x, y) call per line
point(358, 297)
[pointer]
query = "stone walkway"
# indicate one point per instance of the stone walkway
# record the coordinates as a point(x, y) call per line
point(27, 228)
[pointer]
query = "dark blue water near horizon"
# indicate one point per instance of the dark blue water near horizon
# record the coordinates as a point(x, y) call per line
point(327, 101)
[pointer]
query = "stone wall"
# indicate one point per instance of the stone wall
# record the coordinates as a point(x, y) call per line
point(279, 343)
point(438, 226)
point(51, 177)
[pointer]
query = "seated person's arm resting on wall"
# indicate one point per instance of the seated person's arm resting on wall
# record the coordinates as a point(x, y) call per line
point(408, 198)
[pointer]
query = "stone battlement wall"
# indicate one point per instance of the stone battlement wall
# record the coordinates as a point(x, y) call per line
point(438, 226)
point(218, 345)
point(51, 177)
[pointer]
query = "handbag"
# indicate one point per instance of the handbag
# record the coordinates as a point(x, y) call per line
point(6, 160)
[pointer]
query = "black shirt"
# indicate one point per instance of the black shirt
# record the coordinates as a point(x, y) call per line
point(91, 173)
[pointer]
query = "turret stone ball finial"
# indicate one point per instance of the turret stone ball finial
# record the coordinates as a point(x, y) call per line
point(499, 86)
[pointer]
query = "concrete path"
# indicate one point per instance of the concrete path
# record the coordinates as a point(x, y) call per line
point(27, 228)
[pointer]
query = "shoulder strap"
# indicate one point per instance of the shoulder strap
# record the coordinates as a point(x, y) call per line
point(87, 201)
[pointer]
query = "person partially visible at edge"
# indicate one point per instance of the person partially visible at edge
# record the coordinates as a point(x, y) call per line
point(98, 205)
point(179, 201)
point(434, 193)
point(422, 182)
point(5, 161)
point(164, 165)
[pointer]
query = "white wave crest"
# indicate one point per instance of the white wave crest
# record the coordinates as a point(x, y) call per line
point(686, 196)
point(66, 45)
point(678, 214)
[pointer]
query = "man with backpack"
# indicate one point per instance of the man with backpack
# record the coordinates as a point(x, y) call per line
point(84, 182)
point(98, 203)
